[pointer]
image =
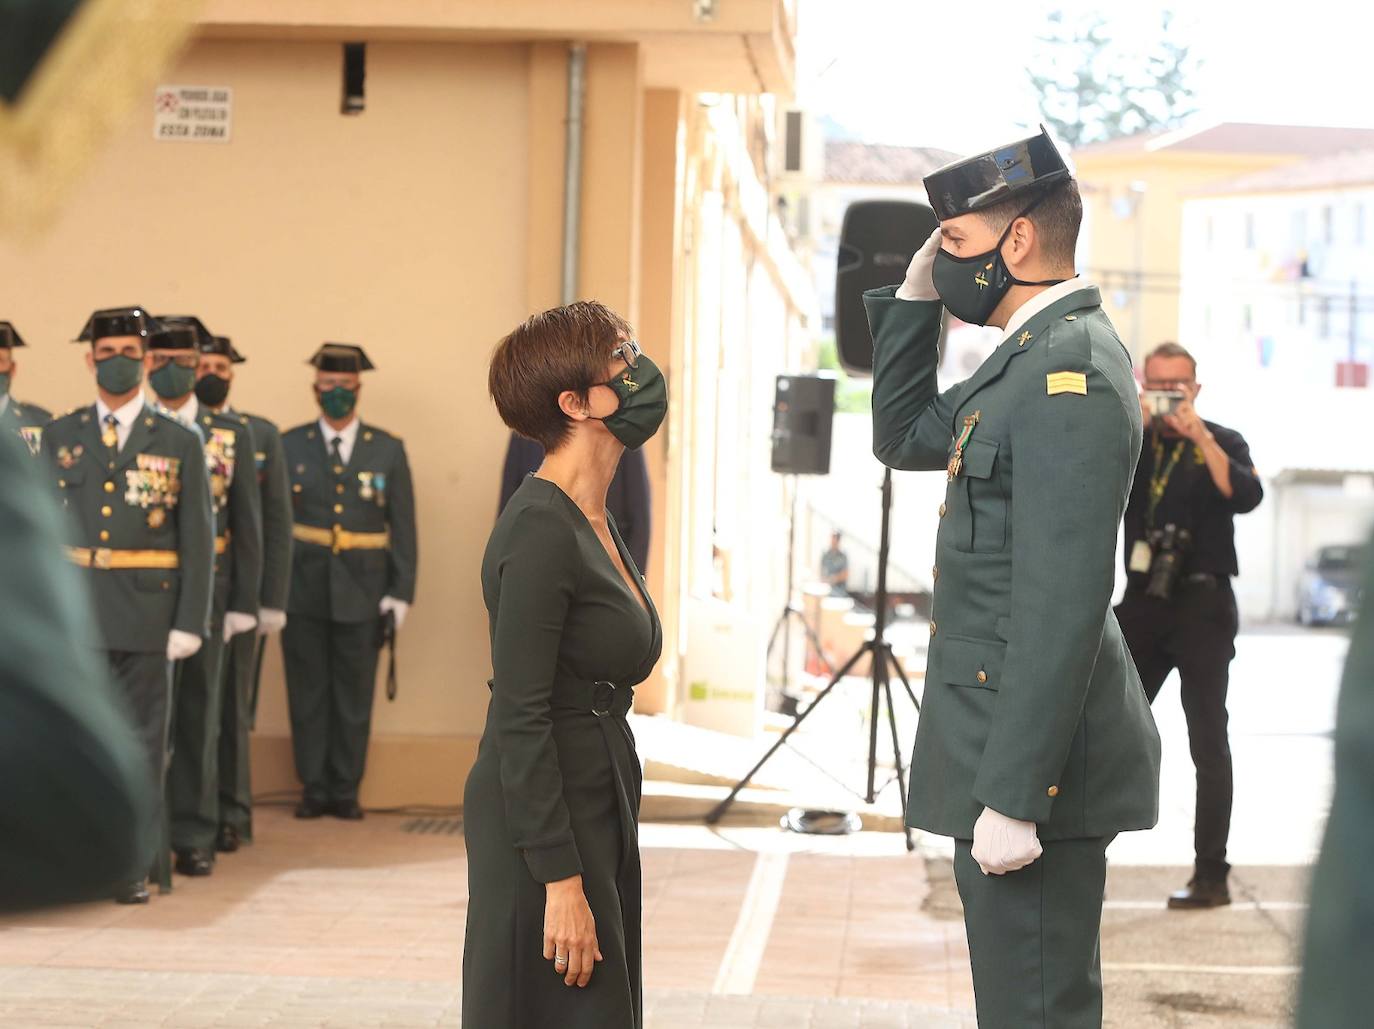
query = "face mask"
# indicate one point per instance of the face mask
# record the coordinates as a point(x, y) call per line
point(118, 374)
point(172, 381)
point(972, 287)
point(4, 384)
point(212, 390)
point(337, 402)
point(643, 393)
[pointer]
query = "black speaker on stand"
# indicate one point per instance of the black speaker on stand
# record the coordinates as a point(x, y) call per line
point(877, 241)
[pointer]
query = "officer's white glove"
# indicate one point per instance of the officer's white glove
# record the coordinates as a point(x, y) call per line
point(1002, 844)
point(270, 620)
point(236, 622)
point(400, 607)
point(920, 280)
point(181, 645)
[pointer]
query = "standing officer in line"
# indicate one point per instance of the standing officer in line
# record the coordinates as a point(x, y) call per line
point(26, 420)
point(353, 565)
point(137, 494)
point(215, 376)
point(1179, 610)
point(1035, 745)
point(193, 780)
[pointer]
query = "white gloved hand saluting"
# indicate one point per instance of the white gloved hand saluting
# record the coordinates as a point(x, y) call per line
point(920, 281)
point(1002, 844)
point(400, 607)
point(236, 622)
point(181, 645)
point(270, 620)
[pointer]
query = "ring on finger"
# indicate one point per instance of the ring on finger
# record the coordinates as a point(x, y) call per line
point(560, 960)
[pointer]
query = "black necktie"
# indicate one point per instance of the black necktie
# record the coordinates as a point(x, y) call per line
point(336, 450)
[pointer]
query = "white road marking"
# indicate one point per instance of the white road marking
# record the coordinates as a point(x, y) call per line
point(739, 968)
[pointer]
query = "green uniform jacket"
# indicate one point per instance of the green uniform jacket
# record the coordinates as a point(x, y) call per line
point(371, 494)
point(1340, 927)
point(26, 421)
point(274, 487)
point(1032, 704)
point(154, 494)
point(237, 504)
point(78, 806)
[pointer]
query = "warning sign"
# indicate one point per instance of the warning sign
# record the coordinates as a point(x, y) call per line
point(193, 114)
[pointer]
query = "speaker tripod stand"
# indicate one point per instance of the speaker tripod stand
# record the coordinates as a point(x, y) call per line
point(790, 612)
point(884, 662)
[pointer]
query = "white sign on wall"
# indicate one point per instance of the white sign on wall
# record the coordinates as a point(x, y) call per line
point(193, 114)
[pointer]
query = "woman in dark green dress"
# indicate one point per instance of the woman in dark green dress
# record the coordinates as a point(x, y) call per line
point(551, 807)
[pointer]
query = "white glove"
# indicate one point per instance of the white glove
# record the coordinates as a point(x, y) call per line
point(1002, 844)
point(398, 606)
point(270, 620)
point(920, 281)
point(181, 645)
point(236, 622)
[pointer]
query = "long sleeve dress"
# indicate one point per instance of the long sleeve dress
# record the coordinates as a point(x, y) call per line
point(556, 786)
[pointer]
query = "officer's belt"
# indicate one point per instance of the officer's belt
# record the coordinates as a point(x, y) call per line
point(338, 539)
point(104, 557)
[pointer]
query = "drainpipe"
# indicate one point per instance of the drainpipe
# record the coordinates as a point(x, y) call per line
point(572, 169)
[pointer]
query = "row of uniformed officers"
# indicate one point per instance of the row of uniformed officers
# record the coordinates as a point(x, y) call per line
point(199, 529)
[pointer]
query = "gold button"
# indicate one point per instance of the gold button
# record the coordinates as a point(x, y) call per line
point(1071, 317)
point(935, 573)
point(944, 509)
point(62, 483)
point(104, 535)
point(338, 469)
point(932, 628)
point(106, 511)
point(1053, 791)
point(166, 585)
point(338, 488)
point(982, 676)
point(109, 487)
point(338, 509)
point(296, 488)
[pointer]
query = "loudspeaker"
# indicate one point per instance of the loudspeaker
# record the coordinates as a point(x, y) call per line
point(803, 410)
point(354, 78)
point(877, 241)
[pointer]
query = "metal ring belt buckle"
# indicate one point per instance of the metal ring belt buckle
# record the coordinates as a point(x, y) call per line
point(102, 557)
point(603, 696)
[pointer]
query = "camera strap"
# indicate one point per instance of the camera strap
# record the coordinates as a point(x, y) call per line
point(1159, 478)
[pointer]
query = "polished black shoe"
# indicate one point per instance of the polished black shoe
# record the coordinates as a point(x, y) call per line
point(1200, 894)
point(195, 861)
point(309, 809)
point(347, 810)
point(228, 839)
point(132, 893)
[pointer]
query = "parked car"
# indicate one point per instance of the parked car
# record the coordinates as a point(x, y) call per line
point(1329, 592)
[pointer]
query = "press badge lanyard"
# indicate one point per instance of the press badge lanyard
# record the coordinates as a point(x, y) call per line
point(1142, 556)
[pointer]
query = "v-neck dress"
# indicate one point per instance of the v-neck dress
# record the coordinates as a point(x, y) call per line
point(556, 787)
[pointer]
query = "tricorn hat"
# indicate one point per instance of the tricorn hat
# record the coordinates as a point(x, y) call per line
point(224, 347)
point(117, 321)
point(341, 357)
point(9, 336)
point(976, 183)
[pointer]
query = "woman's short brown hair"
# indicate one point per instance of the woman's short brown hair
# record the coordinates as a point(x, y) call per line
point(560, 349)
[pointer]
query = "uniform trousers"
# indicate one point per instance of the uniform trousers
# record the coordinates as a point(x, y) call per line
point(1034, 936)
point(144, 682)
point(193, 781)
point(331, 676)
point(1194, 632)
point(236, 723)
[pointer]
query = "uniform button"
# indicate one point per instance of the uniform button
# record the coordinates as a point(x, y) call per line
point(935, 573)
point(338, 469)
point(104, 535)
point(944, 509)
point(109, 487)
point(62, 483)
point(932, 628)
point(296, 488)
point(338, 509)
point(982, 677)
point(339, 488)
point(1053, 791)
point(106, 511)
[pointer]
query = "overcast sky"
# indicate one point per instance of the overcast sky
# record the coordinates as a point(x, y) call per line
point(952, 75)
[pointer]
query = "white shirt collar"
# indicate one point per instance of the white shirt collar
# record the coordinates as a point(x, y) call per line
point(348, 434)
point(125, 415)
point(189, 413)
point(1045, 298)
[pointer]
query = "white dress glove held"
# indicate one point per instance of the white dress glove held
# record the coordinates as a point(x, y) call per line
point(920, 279)
point(236, 622)
point(270, 620)
point(181, 645)
point(398, 606)
point(1002, 844)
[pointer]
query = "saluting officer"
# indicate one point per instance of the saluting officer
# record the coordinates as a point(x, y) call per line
point(193, 780)
point(215, 376)
point(27, 420)
point(353, 563)
point(135, 486)
point(1035, 745)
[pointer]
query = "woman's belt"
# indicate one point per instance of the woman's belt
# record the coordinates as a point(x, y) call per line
point(106, 557)
point(337, 539)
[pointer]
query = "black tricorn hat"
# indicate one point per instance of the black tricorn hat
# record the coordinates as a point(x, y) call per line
point(117, 321)
point(9, 336)
point(189, 321)
point(173, 337)
point(976, 183)
point(341, 357)
point(224, 347)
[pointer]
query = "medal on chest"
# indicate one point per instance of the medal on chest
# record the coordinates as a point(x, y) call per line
point(956, 463)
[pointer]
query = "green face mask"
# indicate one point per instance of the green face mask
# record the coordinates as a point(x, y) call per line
point(119, 374)
point(643, 393)
point(172, 381)
point(4, 384)
point(337, 402)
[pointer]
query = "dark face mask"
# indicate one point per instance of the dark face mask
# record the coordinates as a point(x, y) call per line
point(172, 381)
point(972, 287)
point(212, 390)
point(118, 374)
point(338, 402)
point(643, 393)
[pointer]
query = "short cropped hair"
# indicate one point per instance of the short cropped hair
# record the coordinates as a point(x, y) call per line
point(565, 348)
point(1057, 218)
point(1171, 349)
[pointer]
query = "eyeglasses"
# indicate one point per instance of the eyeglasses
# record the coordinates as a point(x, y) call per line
point(627, 350)
point(186, 361)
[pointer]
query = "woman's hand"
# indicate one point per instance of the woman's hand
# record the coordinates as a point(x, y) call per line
point(570, 931)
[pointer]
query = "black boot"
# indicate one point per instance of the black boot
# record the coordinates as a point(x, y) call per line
point(347, 810)
point(195, 861)
point(228, 839)
point(308, 808)
point(1201, 893)
point(132, 893)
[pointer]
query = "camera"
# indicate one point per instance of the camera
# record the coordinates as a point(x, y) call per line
point(1170, 544)
point(1160, 402)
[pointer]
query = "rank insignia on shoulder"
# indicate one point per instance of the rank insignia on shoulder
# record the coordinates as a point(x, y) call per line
point(1066, 382)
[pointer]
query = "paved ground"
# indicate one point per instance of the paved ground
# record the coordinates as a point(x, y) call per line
point(337, 924)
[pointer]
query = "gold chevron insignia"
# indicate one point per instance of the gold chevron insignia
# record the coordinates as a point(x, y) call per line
point(1066, 382)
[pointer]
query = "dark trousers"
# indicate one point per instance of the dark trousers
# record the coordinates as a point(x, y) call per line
point(331, 675)
point(1194, 632)
point(193, 780)
point(144, 682)
point(235, 726)
point(1034, 936)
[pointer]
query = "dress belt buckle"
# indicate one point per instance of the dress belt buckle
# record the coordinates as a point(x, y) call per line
point(603, 696)
point(101, 557)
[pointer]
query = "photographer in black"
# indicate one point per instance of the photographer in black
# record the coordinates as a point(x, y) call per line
point(1193, 478)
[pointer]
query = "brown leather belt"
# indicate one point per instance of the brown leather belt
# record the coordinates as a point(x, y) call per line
point(105, 557)
point(338, 539)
